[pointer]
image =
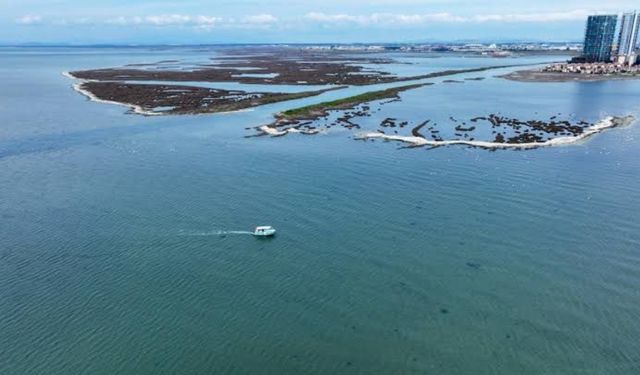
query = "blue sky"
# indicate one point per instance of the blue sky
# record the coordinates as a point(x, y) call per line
point(253, 21)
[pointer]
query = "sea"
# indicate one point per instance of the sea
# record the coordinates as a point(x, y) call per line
point(125, 243)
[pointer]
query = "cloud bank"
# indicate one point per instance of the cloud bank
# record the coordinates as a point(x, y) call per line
point(262, 21)
point(412, 19)
point(163, 20)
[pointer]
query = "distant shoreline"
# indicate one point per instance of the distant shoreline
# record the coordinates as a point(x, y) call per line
point(534, 75)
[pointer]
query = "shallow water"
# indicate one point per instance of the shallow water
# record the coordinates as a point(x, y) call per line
point(454, 260)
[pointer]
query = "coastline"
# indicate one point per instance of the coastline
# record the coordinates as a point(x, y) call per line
point(77, 86)
point(415, 141)
point(268, 130)
point(132, 107)
point(69, 75)
point(315, 111)
point(535, 75)
point(141, 110)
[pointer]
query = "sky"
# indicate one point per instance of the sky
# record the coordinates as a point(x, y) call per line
point(296, 21)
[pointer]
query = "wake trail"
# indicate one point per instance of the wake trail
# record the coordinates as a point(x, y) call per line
point(215, 233)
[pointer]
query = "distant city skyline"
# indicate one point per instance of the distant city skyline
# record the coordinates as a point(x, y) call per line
point(251, 21)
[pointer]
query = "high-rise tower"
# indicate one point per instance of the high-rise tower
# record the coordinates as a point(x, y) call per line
point(628, 37)
point(598, 40)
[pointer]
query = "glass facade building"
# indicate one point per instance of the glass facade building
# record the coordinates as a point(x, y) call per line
point(628, 38)
point(599, 37)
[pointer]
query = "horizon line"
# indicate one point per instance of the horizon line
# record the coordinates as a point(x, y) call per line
point(451, 42)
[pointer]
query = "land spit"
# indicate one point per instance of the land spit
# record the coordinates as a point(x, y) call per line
point(156, 99)
point(300, 120)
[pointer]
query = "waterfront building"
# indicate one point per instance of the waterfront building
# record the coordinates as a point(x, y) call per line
point(599, 37)
point(628, 38)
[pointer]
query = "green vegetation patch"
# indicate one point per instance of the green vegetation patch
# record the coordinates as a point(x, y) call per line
point(314, 109)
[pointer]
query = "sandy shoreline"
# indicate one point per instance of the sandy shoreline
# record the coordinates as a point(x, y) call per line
point(268, 130)
point(68, 75)
point(604, 124)
point(134, 108)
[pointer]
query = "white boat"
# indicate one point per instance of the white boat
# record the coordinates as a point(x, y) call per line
point(264, 231)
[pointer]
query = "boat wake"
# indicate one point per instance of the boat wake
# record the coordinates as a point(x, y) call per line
point(215, 233)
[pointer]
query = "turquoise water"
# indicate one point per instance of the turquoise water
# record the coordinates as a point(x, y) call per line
point(116, 256)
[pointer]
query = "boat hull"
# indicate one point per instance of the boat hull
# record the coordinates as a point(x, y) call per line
point(265, 233)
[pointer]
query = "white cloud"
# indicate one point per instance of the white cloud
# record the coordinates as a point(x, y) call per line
point(168, 19)
point(383, 18)
point(29, 19)
point(574, 15)
point(197, 21)
point(261, 19)
point(165, 20)
point(267, 21)
point(423, 18)
point(323, 17)
point(207, 20)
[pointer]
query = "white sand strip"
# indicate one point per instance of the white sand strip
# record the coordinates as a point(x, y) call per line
point(272, 131)
point(78, 87)
point(68, 75)
point(266, 129)
point(135, 108)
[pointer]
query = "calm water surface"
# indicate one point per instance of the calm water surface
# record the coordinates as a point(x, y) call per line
point(115, 255)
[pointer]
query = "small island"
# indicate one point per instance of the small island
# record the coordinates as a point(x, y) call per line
point(522, 142)
point(493, 131)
